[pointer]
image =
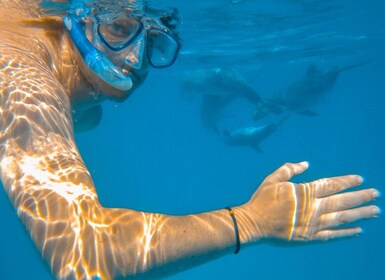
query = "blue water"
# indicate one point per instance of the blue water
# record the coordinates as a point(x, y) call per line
point(152, 153)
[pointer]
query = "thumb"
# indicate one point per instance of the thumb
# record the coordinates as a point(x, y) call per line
point(286, 172)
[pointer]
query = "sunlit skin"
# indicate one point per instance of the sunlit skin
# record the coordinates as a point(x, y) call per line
point(41, 81)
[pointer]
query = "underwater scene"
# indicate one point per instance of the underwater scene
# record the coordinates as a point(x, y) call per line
point(256, 84)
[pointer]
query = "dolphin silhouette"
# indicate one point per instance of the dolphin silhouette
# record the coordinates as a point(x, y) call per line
point(250, 135)
point(219, 87)
point(219, 81)
point(303, 94)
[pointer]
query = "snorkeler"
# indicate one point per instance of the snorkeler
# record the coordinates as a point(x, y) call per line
point(49, 67)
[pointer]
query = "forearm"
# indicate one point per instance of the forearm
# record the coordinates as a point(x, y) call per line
point(209, 233)
point(164, 244)
point(187, 241)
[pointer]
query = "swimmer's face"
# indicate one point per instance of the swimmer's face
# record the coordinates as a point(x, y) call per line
point(132, 45)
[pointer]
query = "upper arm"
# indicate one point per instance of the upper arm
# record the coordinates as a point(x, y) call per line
point(40, 166)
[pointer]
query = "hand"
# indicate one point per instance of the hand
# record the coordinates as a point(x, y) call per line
point(308, 211)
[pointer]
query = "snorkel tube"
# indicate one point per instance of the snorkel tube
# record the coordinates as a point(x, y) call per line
point(95, 60)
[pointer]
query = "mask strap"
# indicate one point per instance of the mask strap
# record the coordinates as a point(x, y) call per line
point(95, 60)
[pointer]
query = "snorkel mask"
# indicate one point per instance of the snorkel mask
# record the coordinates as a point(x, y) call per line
point(112, 48)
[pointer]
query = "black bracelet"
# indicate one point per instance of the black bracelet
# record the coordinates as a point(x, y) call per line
point(237, 239)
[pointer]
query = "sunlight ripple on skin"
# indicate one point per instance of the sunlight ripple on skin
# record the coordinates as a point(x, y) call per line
point(48, 183)
point(294, 212)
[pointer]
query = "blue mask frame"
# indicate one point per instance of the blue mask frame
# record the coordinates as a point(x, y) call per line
point(95, 60)
point(147, 31)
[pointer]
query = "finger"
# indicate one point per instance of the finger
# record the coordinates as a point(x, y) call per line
point(347, 200)
point(287, 171)
point(336, 219)
point(338, 233)
point(327, 186)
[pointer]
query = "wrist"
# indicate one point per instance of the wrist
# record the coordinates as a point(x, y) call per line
point(249, 224)
point(236, 230)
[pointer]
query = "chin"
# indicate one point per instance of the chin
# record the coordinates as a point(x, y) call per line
point(137, 76)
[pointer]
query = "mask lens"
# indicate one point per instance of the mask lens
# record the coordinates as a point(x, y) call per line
point(120, 33)
point(162, 48)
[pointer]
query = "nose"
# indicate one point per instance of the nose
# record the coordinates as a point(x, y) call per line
point(134, 57)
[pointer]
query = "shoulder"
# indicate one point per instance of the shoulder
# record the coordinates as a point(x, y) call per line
point(13, 10)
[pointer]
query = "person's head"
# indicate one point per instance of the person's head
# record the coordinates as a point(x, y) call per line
point(118, 49)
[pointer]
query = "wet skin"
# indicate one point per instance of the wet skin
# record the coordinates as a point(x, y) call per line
point(41, 81)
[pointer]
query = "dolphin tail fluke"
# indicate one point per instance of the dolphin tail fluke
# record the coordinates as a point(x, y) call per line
point(274, 108)
point(268, 108)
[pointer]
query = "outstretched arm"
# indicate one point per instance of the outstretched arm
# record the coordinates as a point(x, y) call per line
point(49, 185)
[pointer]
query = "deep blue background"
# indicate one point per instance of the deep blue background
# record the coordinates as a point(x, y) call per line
point(152, 153)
